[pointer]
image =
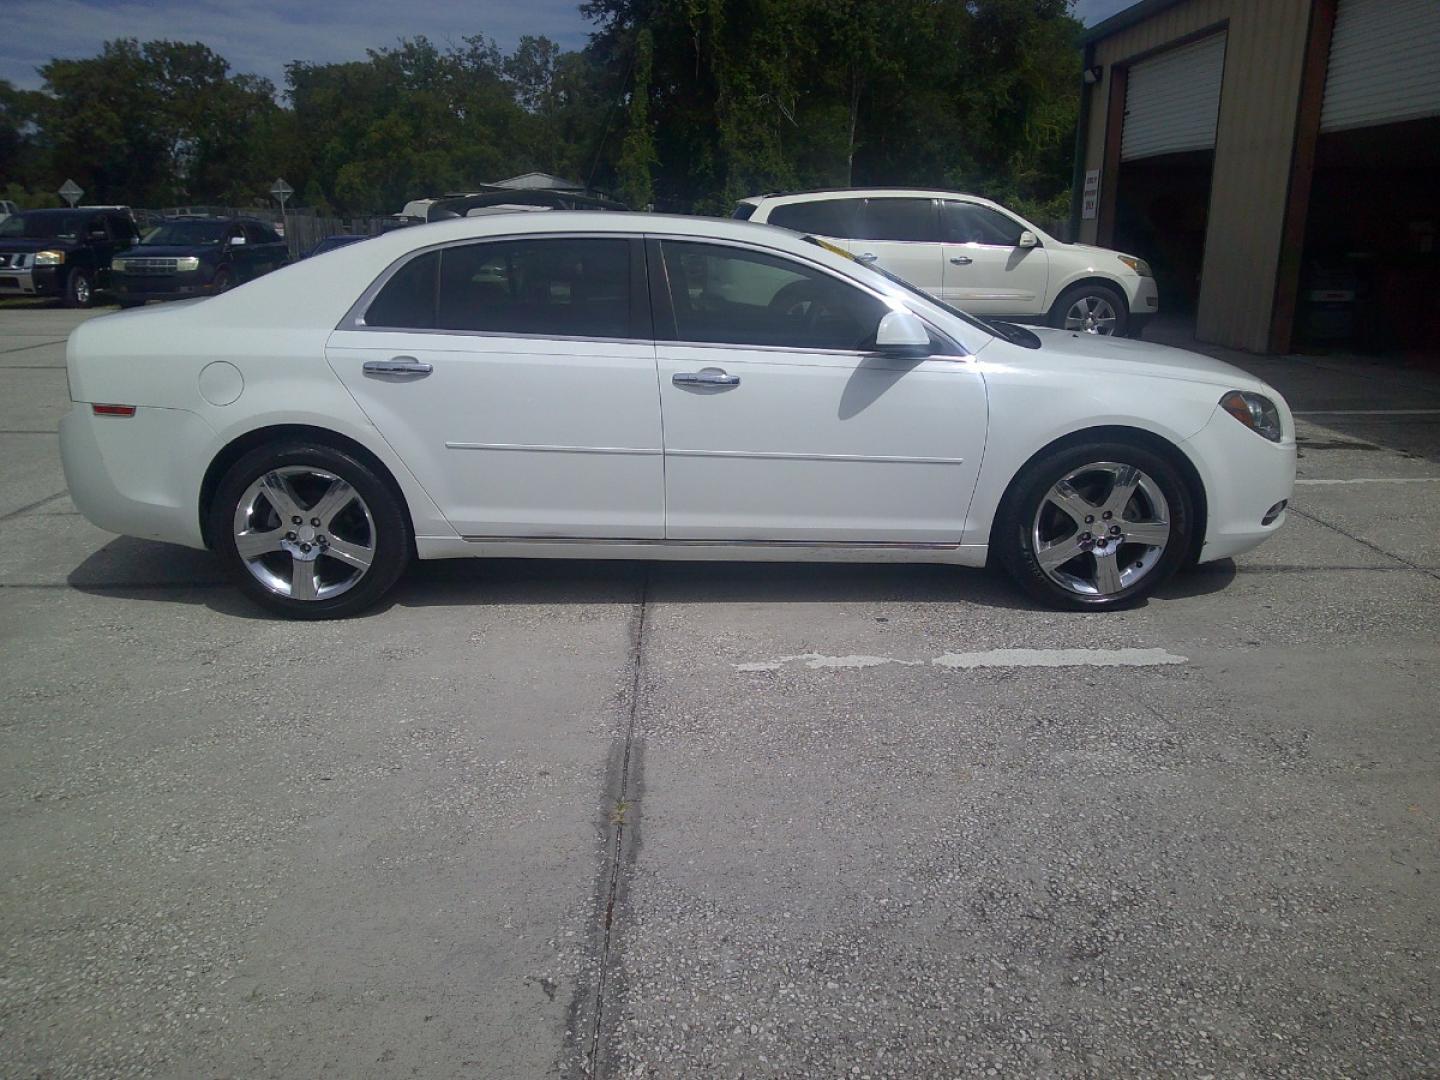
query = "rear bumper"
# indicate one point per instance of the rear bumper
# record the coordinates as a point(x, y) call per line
point(1245, 476)
point(138, 475)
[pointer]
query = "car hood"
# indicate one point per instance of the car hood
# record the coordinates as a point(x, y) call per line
point(1105, 355)
point(27, 243)
point(166, 251)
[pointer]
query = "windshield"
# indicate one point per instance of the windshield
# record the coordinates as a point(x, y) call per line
point(187, 233)
point(1017, 335)
point(43, 226)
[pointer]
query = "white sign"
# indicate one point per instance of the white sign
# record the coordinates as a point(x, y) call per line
point(71, 192)
point(1090, 199)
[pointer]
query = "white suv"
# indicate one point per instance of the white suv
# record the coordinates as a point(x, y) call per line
point(973, 254)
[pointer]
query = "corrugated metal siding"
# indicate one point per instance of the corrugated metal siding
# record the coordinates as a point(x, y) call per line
point(1172, 103)
point(1384, 63)
point(1255, 136)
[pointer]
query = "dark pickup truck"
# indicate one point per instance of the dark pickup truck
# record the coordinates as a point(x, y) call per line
point(62, 253)
point(185, 257)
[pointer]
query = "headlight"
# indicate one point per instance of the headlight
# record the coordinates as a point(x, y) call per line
point(1140, 266)
point(189, 262)
point(1255, 411)
point(117, 264)
point(49, 258)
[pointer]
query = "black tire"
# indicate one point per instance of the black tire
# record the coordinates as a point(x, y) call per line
point(1087, 291)
point(223, 281)
point(1014, 536)
point(393, 540)
point(79, 289)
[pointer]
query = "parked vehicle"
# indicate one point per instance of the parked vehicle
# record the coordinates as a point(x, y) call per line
point(62, 253)
point(186, 257)
point(330, 243)
point(488, 387)
point(974, 254)
point(7, 207)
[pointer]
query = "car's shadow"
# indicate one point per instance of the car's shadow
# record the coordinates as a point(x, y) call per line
point(163, 573)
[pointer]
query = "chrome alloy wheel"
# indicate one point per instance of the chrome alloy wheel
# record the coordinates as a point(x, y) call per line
point(304, 533)
point(1101, 529)
point(1091, 315)
point(82, 290)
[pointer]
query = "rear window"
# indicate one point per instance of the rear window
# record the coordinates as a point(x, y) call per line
point(743, 211)
point(822, 217)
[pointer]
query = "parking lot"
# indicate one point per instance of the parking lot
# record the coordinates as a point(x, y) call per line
point(549, 818)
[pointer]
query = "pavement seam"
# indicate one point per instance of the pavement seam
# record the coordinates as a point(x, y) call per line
point(38, 345)
point(34, 505)
point(1360, 540)
point(617, 857)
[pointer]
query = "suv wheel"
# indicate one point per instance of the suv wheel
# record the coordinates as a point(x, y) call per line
point(1091, 309)
point(79, 291)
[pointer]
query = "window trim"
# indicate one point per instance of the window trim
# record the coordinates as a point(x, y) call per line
point(639, 316)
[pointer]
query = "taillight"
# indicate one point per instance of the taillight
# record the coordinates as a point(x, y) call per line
point(113, 410)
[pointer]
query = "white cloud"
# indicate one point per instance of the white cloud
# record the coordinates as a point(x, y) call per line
point(262, 36)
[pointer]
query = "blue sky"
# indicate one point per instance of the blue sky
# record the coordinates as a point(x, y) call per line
point(261, 36)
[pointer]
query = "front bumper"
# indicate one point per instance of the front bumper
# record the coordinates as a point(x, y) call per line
point(1245, 476)
point(138, 475)
point(174, 286)
point(30, 281)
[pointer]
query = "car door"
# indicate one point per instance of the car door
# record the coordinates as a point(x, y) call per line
point(781, 425)
point(516, 379)
point(901, 234)
point(986, 270)
point(261, 255)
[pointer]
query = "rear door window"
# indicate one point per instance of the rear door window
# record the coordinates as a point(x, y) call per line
point(901, 219)
point(559, 287)
point(407, 301)
point(839, 218)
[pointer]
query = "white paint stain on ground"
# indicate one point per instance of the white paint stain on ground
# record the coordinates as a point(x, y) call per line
point(992, 658)
point(1373, 480)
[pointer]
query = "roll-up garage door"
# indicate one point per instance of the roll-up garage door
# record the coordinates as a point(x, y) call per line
point(1172, 102)
point(1384, 63)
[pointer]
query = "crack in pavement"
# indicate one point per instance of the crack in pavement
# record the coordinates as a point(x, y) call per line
point(34, 505)
point(1361, 540)
point(624, 819)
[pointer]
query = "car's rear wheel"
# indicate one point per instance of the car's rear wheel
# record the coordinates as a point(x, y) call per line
point(1091, 309)
point(1096, 526)
point(309, 531)
point(79, 290)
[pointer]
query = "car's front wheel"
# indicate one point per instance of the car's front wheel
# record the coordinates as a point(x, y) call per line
point(79, 289)
point(1096, 526)
point(309, 531)
point(1091, 309)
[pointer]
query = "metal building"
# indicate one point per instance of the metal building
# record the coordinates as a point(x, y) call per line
point(1277, 161)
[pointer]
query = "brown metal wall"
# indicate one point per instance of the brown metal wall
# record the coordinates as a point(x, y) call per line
point(1259, 98)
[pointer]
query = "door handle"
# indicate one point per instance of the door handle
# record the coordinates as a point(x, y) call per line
point(398, 365)
point(710, 376)
point(961, 260)
point(867, 258)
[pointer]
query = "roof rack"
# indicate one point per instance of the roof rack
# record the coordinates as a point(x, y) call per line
point(461, 205)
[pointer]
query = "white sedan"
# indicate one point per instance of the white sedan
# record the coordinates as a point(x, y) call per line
point(637, 386)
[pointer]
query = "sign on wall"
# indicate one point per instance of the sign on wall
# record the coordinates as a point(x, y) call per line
point(1090, 197)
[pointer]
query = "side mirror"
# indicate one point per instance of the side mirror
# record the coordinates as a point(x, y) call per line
point(237, 241)
point(1028, 240)
point(902, 334)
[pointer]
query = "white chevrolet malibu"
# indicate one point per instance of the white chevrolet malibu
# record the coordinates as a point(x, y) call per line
point(639, 386)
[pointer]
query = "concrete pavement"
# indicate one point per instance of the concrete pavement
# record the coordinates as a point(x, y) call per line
point(538, 819)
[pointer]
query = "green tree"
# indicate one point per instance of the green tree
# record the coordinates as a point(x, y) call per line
point(637, 152)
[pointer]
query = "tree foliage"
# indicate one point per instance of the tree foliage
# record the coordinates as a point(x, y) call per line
point(689, 104)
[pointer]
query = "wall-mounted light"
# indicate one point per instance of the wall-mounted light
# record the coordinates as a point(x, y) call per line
point(1092, 75)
